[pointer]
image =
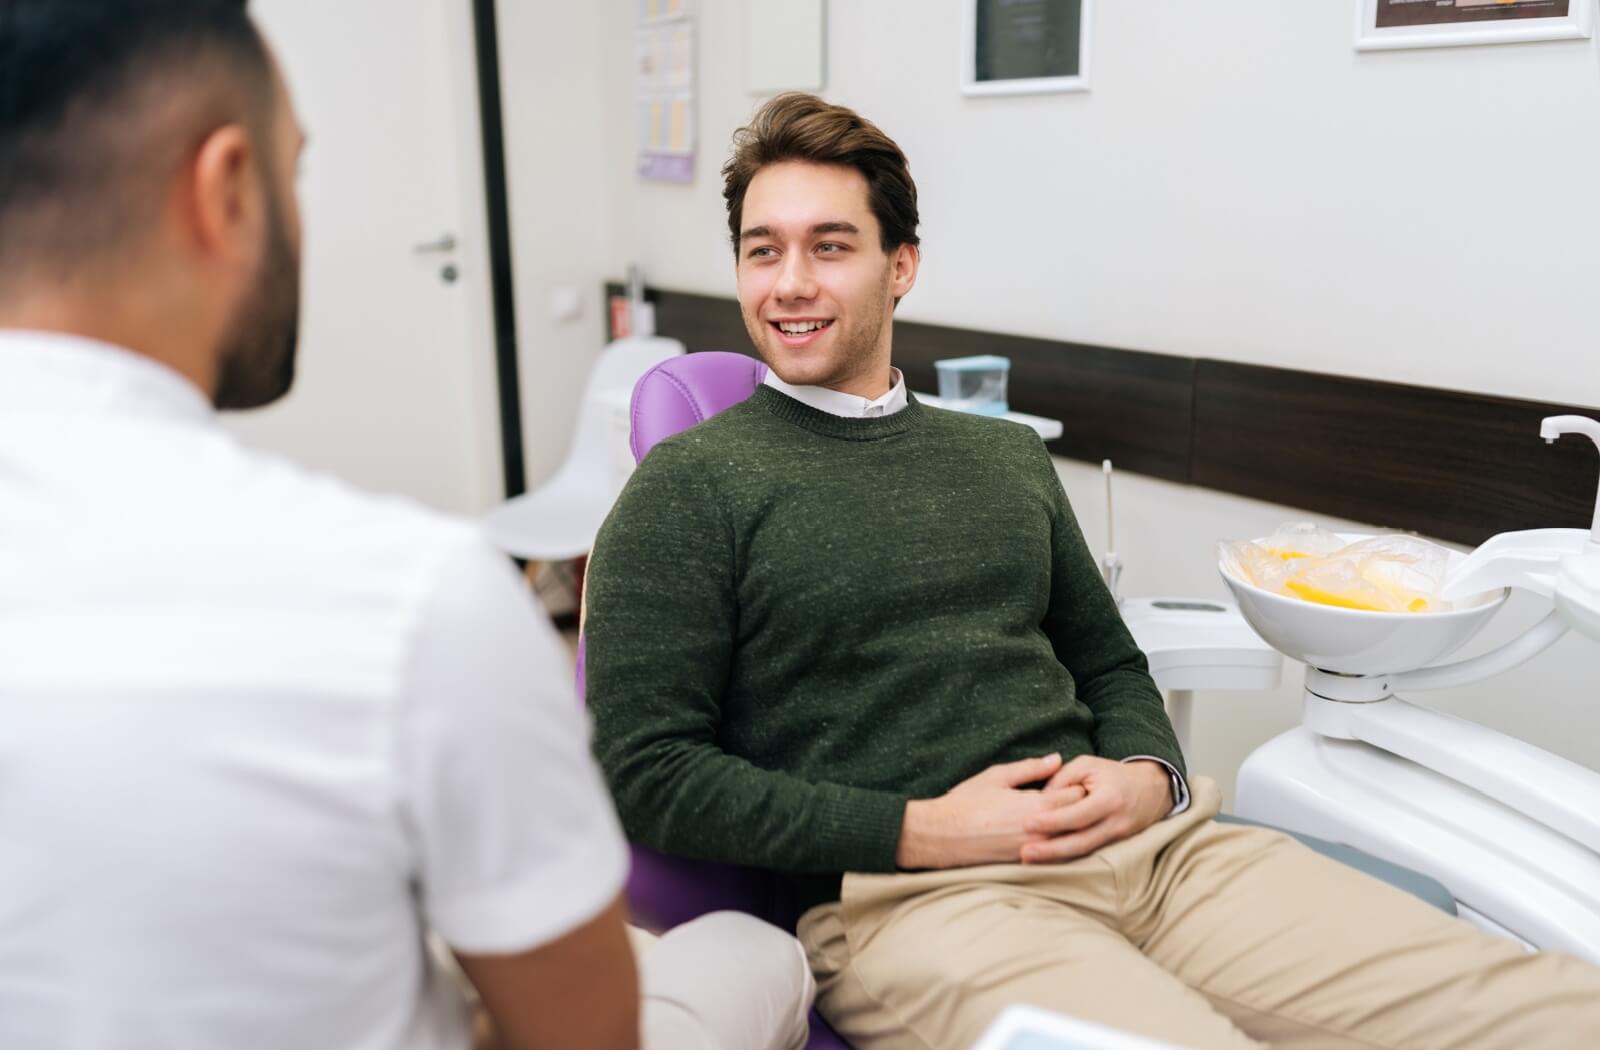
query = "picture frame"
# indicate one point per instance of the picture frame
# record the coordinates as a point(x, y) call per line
point(1025, 47)
point(1387, 25)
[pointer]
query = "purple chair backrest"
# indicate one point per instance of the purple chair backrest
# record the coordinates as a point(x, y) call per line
point(682, 391)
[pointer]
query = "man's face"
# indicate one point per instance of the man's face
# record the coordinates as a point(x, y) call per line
point(816, 288)
point(258, 351)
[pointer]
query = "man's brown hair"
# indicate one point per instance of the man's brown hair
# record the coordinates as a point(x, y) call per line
point(797, 126)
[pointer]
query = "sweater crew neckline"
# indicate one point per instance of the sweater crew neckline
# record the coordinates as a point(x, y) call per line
point(842, 427)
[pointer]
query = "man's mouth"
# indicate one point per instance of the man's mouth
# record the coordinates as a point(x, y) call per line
point(800, 333)
point(799, 327)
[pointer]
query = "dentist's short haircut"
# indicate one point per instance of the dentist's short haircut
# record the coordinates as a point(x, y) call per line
point(101, 102)
point(801, 127)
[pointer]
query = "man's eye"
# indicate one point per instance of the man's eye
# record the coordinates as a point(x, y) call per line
point(829, 248)
point(762, 253)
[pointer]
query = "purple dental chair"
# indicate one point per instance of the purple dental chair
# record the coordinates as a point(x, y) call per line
point(665, 891)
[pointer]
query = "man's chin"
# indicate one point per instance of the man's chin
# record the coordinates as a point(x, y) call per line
point(797, 375)
point(792, 368)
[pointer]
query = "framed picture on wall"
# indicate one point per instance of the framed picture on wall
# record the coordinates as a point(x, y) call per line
point(1020, 47)
point(1388, 24)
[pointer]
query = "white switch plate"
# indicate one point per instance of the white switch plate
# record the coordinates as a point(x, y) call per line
point(566, 304)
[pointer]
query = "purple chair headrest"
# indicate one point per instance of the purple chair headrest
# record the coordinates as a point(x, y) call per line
point(682, 391)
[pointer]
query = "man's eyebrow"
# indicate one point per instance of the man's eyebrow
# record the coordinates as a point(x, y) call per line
point(836, 226)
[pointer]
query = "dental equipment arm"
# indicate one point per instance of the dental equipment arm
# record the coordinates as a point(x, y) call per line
point(1559, 563)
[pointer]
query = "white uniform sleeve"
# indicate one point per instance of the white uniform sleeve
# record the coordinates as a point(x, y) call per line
point(516, 839)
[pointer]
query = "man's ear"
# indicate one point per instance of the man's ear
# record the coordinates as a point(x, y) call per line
point(224, 189)
point(903, 269)
point(903, 265)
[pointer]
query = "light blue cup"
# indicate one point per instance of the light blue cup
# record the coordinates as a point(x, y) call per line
point(974, 384)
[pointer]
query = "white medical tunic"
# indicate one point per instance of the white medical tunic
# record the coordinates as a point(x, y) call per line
point(258, 731)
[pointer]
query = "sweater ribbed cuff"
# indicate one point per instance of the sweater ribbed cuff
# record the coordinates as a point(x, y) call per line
point(1130, 743)
point(863, 827)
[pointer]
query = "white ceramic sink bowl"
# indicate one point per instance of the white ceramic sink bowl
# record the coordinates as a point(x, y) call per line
point(1356, 642)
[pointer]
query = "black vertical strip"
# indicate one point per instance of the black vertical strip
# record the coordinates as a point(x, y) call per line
point(487, 36)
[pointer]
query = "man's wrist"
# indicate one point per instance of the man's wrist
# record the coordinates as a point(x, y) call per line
point(912, 854)
point(1159, 773)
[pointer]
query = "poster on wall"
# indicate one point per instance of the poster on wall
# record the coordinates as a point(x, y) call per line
point(665, 50)
point(1015, 47)
point(1389, 24)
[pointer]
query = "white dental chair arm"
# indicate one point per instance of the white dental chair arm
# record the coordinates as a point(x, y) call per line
point(1557, 793)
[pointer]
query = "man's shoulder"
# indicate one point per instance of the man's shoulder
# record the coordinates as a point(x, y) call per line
point(976, 435)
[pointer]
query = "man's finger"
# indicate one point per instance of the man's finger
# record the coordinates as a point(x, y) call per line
point(1074, 772)
point(1056, 798)
point(1078, 844)
point(1075, 817)
point(1027, 771)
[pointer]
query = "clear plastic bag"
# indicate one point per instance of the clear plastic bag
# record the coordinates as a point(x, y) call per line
point(1382, 574)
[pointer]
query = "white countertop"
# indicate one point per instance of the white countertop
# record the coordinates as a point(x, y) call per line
point(1048, 429)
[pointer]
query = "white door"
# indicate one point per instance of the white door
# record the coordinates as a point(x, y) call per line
point(396, 388)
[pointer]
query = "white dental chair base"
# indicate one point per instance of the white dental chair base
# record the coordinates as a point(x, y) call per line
point(1510, 875)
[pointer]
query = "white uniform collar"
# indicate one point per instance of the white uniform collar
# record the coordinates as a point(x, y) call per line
point(836, 403)
point(56, 372)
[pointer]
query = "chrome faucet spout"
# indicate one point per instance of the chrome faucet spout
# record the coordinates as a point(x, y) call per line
point(1552, 427)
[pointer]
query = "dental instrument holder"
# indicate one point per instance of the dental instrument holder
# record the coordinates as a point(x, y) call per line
point(1296, 783)
point(1110, 563)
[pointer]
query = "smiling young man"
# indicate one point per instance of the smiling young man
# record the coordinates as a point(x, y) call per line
point(860, 642)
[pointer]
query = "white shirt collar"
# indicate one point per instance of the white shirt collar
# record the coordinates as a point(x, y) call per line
point(56, 372)
point(836, 403)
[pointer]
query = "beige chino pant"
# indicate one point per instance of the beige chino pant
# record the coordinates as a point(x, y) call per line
point(1198, 933)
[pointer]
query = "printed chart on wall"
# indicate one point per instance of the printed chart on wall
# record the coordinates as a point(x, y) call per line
point(666, 90)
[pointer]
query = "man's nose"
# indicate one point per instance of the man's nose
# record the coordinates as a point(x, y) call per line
point(795, 279)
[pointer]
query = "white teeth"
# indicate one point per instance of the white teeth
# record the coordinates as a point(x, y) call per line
point(800, 327)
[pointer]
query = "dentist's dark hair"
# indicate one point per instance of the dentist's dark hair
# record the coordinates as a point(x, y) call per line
point(101, 102)
point(798, 126)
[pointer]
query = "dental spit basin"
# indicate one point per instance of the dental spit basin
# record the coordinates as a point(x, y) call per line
point(1357, 642)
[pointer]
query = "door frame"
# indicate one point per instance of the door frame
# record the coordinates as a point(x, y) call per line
point(486, 41)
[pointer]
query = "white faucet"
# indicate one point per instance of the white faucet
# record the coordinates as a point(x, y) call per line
point(1552, 427)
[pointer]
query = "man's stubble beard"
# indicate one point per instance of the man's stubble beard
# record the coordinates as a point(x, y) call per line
point(257, 364)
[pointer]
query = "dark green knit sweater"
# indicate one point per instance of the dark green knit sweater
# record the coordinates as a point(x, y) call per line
point(797, 621)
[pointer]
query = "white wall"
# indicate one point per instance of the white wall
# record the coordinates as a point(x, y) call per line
point(1239, 184)
point(395, 388)
point(559, 67)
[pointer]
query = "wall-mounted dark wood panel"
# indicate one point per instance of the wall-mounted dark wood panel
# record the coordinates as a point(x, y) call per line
point(1454, 465)
point(1123, 405)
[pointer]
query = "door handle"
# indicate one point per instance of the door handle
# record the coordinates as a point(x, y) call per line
point(447, 243)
